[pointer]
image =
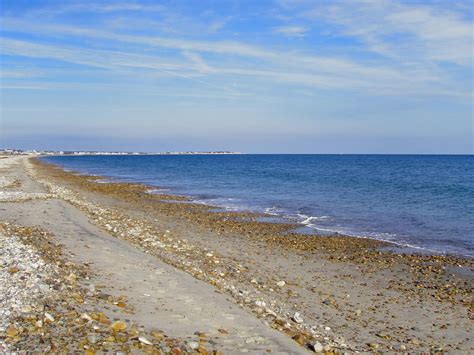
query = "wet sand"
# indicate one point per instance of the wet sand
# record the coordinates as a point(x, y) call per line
point(328, 293)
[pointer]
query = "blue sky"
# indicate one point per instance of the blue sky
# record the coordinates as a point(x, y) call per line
point(283, 76)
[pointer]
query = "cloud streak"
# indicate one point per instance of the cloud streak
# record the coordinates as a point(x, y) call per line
point(394, 29)
point(369, 20)
point(290, 68)
point(291, 31)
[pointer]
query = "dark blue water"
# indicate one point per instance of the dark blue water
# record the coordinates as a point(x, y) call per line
point(421, 201)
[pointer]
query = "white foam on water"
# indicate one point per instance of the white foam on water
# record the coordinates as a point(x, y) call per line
point(274, 211)
point(156, 191)
point(309, 220)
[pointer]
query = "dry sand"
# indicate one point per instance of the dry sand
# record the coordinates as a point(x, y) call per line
point(250, 287)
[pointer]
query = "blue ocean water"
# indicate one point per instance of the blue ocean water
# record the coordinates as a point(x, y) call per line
point(424, 201)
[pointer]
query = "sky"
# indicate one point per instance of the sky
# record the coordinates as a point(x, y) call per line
point(268, 76)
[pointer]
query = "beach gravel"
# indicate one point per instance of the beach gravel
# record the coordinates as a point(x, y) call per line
point(23, 274)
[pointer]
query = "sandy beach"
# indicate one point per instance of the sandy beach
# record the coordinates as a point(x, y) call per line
point(93, 266)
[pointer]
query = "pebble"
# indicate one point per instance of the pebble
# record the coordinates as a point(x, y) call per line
point(317, 347)
point(92, 339)
point(48, 317)
point(255, 340)
point(281, 283)
point(144, 340)
point(118, 326)
point(297, 318)
point(193, 345)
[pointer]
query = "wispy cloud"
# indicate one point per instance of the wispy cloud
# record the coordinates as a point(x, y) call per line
point(89, 57)
point(217, 25)
point(406, 32)
point(96, 7)
point(18, 73)
point(282, 62)
point(291, 31)
point(191, 58)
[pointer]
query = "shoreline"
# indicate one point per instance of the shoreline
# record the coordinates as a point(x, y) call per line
point(299, 227)
point(342, 251)
point(130, 301)
point(284, 229)
point(325, 294)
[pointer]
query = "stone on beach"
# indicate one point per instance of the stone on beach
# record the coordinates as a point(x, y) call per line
point(317, 347)
point(297, 318)
point(118, 326)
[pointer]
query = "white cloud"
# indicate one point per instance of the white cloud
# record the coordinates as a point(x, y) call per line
point(230, 48)
point(199, 63)
point(25, 87)
point(128, 63)
point(401, 31)
point(185, 57)
point(217, 25)
point(17, 74)
point(97, 7)
point(89, 57)
point(291, 31)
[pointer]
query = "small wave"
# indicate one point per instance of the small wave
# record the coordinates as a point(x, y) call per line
point(224, 203)
point(156, 191)
point(309, 220)
point(383, 237)
point(104, 181)
point(274, 211)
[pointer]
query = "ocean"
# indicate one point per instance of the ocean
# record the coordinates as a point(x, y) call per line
point(425, 202)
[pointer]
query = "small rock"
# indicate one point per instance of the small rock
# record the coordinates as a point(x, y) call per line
point(193, 345)
point(43, 287)
point(300, 338)
point(281, 283)
point(297, 318)
point(144, 341)
point(48, 317)
point(374, 346)
point(86, 317)
point(12, 331)
point(118, 326)
point(13, 270)
point(26, 309)
point(317, 347)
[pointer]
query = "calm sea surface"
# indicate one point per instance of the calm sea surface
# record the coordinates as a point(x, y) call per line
point(422, 201)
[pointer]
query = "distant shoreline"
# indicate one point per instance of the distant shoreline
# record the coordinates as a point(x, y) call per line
point(8, 152)
point(227, 184)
